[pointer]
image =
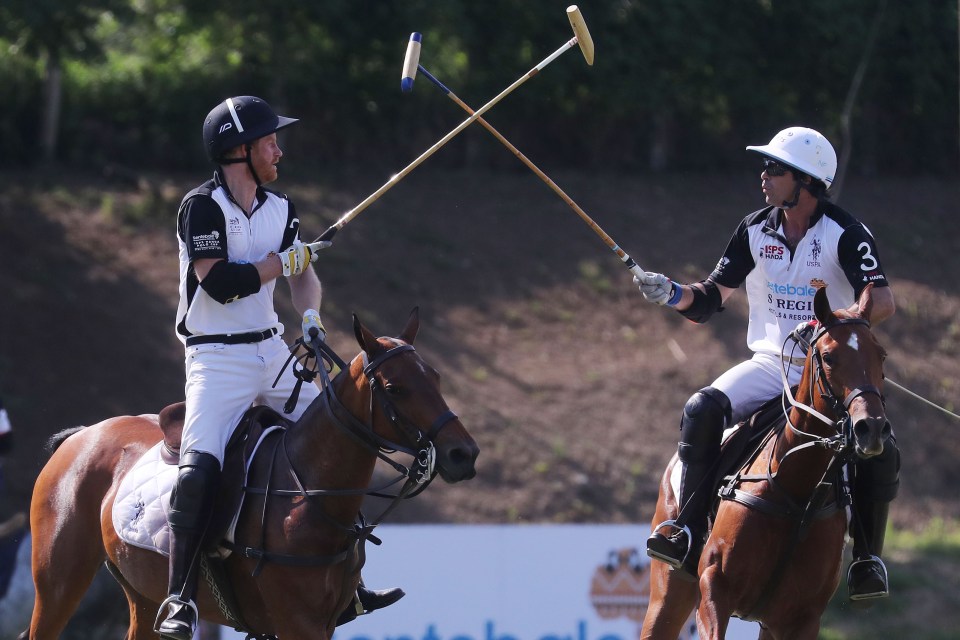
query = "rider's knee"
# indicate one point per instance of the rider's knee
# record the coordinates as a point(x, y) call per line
point(197, 479)
point(701, 426)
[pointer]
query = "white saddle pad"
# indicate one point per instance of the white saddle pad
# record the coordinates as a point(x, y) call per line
point(143, 503)
point(142, 506)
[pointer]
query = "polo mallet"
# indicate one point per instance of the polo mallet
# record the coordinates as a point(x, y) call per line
point(581, 36)
point(406, 84)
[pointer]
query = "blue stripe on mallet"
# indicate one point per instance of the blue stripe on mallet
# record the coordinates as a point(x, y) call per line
point(432, 79)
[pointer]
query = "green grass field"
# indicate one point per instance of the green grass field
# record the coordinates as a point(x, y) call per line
point(925, 590)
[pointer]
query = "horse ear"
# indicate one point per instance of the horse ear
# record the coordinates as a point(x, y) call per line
point(821, 308)
point(865, 303)
point(409, 333)
point(366, 339)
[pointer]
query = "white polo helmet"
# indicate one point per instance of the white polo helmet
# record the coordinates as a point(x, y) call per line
point(803, 149)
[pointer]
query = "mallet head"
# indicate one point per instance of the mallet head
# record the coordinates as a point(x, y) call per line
point(580, 30)
point(410, 62)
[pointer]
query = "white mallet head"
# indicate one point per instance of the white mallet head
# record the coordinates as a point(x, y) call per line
point(580, 30)
point(410, 62)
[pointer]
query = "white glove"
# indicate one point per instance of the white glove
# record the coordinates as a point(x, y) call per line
point(295, 259)
point(658, 288)
point(311, 320)
point(316, 246)
point(804, 332)
point(299, 255)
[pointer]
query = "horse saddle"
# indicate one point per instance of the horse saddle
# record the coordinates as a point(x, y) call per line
point(743, 441)
point(256, 425)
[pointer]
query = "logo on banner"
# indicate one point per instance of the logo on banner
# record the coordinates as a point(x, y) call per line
point(620, 588)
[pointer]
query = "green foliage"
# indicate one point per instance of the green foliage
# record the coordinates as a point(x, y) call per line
point(675, 85)
point(919, 562)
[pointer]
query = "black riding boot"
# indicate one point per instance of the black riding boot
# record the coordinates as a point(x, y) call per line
point(867, 575)
point(875, 485)
point(701, 429)
point(367, 600)
point(190, 506)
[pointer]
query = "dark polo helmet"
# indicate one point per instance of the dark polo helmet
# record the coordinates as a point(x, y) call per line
point(239, 120)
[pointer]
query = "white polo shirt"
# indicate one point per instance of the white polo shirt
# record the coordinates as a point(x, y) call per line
point(837, 251)
point(211, 225)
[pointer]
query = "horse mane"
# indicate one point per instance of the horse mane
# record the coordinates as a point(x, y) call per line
point(57, 439)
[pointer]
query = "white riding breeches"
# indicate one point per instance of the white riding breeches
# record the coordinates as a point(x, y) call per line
point(224, 380)
point(752, 382)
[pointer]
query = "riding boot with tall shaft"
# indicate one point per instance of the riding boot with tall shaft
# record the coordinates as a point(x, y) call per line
point(867, 575)
point(875, 485)
point(190, 506)
point(701, 429)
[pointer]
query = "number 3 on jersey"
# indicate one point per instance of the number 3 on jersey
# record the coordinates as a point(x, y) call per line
point(869, 262)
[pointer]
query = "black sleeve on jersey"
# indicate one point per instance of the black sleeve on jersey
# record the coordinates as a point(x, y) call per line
point(737, 261)
point(229, 281)
point(292, 231)
point(859, 258)
point(202, 227)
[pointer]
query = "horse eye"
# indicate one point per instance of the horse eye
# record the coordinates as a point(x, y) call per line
point(393, 389)
point(828, 359)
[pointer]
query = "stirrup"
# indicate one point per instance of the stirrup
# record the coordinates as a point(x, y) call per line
point(163, 613)
point(670, 560)
point(877, 564)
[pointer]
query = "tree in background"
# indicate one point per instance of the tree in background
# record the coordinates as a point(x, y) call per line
point(679, 85)
point(54, 31)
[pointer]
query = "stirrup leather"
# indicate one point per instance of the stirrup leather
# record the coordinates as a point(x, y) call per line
point(876, 562)
point(673, 562)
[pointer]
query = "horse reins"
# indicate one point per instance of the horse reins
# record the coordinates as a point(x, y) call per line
point(826, 392)
point(418, 475)
point(839, 444)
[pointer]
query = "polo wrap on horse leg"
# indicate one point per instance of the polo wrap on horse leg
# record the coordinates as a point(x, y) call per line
point(875, 484)
point(701, 429)
point(191, 504)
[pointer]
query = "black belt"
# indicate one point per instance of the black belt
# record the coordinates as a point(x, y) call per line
point(233, 338)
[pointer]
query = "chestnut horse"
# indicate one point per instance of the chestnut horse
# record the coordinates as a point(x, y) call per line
point(775, 550)
point(298, 545)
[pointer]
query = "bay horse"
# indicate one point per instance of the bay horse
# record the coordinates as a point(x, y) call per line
point(298, 544)
point(775, 550)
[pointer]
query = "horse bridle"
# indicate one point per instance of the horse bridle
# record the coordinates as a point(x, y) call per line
point(840, 444)
point(425, 456)
point(820, 378)
point(399, 420)
point(827, 393)
point(418, 476)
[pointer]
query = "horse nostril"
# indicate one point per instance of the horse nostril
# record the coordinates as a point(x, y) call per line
point(886, 431)
point(871, 432)
point(461, 458)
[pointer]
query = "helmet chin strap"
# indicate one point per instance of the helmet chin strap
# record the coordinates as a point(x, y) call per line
point(247, 160)
point(256, 178)
point(789, 204)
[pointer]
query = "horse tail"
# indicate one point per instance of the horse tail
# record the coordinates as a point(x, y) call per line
point(59, 437)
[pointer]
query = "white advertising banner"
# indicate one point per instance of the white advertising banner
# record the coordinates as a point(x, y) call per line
point(510, 582)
